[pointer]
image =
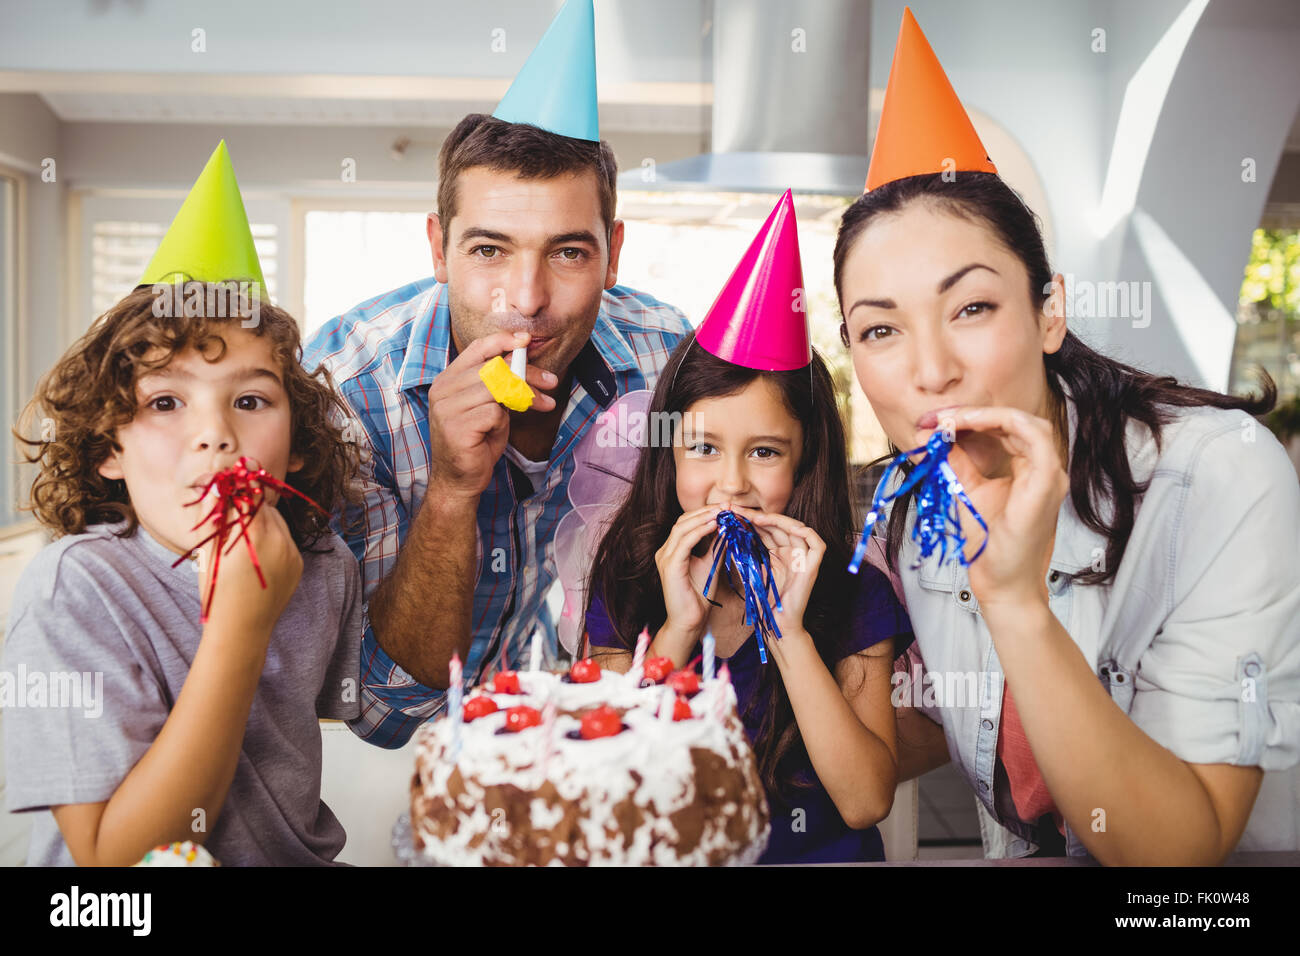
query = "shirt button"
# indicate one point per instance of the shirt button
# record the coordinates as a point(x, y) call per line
point(986, 724)
point(984, 785)
point(1054, 577)
point(964, 596)
point(1252, 669)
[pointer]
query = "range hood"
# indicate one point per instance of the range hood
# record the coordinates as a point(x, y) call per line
point(791, 95)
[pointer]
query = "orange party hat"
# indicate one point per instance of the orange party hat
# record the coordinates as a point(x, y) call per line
point(923, 127)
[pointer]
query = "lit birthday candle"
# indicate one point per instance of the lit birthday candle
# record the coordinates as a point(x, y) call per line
point(709, 646)
point(455, 689)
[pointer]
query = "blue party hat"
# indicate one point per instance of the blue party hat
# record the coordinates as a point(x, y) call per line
point(556, 88)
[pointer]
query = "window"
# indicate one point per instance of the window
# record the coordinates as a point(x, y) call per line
point(354, 254)
point(1268, 311)
point(121, 250)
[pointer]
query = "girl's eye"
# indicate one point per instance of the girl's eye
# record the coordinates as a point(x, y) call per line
point(766, 454)
point(976, 308)
point(485, 252)
point(875, 333)
point(699, 449)
point(253, 399)
point(163, 403)
point(577, 254)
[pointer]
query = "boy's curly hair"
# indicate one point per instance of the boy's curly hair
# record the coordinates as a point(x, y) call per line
point(91, 392)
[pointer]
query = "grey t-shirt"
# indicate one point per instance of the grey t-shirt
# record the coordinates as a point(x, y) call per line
point(95, 604)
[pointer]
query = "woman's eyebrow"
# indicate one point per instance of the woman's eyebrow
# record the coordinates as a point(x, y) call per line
point(953, 279)
point(874, 304)
point(943, 287)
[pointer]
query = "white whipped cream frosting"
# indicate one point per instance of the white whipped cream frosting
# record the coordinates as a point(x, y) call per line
point(650, 761)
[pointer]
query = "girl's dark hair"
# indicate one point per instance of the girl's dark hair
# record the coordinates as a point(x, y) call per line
point(91, 392)
point(624, 573)
point(1108, 393)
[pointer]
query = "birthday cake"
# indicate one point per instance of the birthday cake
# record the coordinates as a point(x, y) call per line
point(178, 854)
point(590, 768)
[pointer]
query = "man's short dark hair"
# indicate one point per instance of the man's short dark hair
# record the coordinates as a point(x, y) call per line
point(526, 150)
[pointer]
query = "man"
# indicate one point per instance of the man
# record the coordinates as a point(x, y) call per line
point(461, 498)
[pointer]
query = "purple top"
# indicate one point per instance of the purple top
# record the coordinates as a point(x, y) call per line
point(818, 834)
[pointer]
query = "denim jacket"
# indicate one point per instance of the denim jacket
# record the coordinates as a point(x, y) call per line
point(1196, 637)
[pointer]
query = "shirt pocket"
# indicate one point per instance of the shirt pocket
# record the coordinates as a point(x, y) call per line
point(950, 580)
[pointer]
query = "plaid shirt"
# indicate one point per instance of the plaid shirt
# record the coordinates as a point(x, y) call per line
point(383, 355)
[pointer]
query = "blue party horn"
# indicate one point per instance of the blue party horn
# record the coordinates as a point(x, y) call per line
point(745, 553)
point(938, 491)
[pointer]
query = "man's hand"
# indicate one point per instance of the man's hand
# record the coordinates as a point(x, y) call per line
point(468, 430)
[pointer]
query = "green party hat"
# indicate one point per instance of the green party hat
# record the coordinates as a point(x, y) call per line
point(209, 240)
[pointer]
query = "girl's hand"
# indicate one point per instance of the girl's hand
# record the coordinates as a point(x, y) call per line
point(796, 552)
point(688, 611)
point(240, 597)
point(1020, 507)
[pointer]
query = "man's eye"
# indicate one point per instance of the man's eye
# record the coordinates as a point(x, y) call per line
point(163, 403)
point(571, 254)
point(249, 403)
point(485, 252)
point(875, 332)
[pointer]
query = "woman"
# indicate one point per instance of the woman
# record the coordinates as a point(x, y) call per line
point(1142, 549)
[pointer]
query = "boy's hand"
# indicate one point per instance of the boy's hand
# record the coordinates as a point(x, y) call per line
point(240, 597)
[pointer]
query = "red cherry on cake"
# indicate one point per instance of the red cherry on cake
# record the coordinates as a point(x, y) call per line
point(601, 722)
point(657, 668)
point(681, 710)
point(522, 717)
point(685, 682)
point(584, 671)
point(477, 707)
point(506, 682)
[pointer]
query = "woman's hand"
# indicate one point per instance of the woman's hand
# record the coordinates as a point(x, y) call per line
point(1020, 503)
point(688, 611)
point(796, 552)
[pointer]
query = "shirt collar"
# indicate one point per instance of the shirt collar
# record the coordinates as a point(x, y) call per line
point(430, 349)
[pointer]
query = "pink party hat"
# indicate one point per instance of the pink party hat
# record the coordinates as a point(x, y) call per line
point(759, 320)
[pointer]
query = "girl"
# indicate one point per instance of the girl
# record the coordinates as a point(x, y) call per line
point(1143, 544)
point(768, 445)
point(209, 732)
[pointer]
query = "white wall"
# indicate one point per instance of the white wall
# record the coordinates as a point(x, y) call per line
point(636, 41)
point(29, 134)
point(1234, 97)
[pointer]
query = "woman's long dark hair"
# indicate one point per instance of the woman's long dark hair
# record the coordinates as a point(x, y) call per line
point(624, 573)
point(1107, 393)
